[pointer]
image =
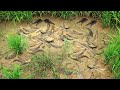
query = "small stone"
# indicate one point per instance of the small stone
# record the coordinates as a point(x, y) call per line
point(49, 39)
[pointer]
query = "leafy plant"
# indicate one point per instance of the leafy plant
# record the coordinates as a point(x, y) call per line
point(17, 43)
point(112, 54)
point(13, 73)
point(15, 16)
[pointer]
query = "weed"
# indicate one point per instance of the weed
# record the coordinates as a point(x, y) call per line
point(39, 13)
point(13, 73)
point(66, 14)
point(54, 13)
point(112, 54)
point(55, 73)
point(17, 43)
point(15, 16)
point(66, 48)
point(42, 64)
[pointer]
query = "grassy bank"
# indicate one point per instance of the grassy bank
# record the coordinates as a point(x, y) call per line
point(108, 18)
point(112, 54)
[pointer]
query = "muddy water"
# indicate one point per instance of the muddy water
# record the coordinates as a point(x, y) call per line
point(85, 60)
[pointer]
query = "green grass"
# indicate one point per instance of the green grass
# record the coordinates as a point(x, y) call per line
point(43, 63)
point(17, 43)
point(112, 54)
point(67, 14)
point(16, 16)
point(108, 18)
point(12, 73)
point(66, 48)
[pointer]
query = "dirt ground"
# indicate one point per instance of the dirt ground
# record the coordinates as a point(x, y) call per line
point(85, 58)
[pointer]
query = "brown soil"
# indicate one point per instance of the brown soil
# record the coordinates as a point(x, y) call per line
point(85, 59)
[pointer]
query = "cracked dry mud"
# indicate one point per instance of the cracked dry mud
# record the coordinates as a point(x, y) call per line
point(84, 62)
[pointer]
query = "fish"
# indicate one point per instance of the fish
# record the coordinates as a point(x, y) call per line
point(91, 23)
point(82, 20)
point(90, 32)
point(37, 21)
point(48, 21)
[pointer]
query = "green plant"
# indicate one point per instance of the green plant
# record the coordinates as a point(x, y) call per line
point(44, 65)
point(17, 43)
point(66, 14)
point(41, 64)
point(39, 13)
point(44, 62)
point(55, 73)
point(110, 18)
point(15, 16)
point(13, 73)
point(112, 54)
point(66, 48)
point(54, 13)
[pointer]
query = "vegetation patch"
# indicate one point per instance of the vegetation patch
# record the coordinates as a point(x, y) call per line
point(17, 43)
point(112, 54)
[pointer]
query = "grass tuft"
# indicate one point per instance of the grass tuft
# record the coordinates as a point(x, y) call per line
point(17, 43)
point(12, 73)
point(112, 54)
